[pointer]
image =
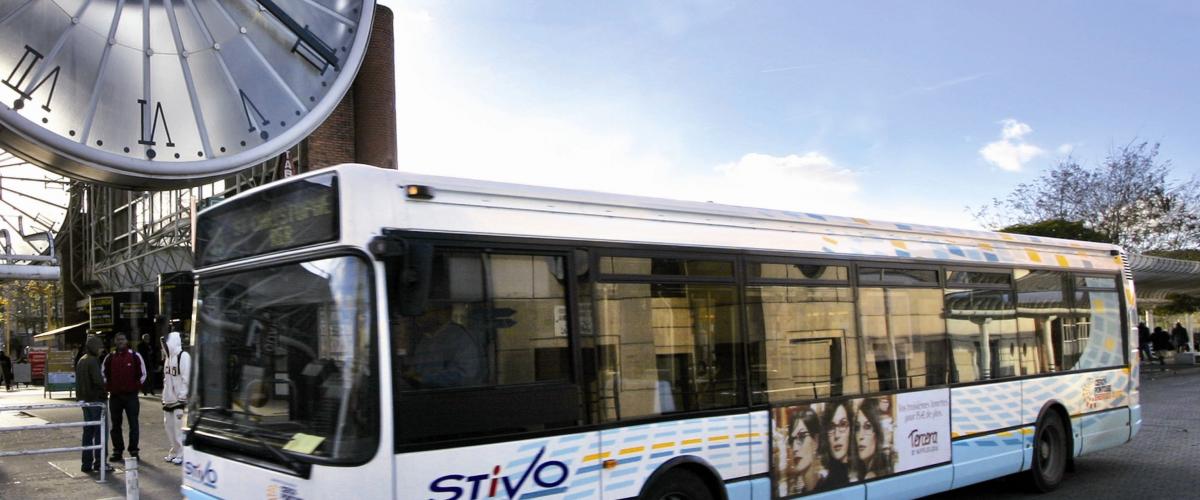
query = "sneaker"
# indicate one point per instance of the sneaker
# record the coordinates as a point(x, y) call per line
point(134, 454)
point(178, 461)
point(116, 457)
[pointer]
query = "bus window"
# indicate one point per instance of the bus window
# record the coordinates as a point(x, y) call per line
point(1096, 309)
point(982, 326)
point(676, 346)
point(494, 330)
point(287, 349)
point(905, 337)
point(806, 342)
point(1043, 320)
point(506, 325)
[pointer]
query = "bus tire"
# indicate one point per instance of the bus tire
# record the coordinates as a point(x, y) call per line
point(1049, 453)
point(678, 484)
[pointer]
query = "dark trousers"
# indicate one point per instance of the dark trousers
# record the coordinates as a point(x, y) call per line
point(124, 404)
point(91, 437)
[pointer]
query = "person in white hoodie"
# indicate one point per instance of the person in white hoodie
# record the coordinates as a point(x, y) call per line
point(176, 368)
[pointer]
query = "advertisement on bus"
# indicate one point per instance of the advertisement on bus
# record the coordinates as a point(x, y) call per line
point(828, 445)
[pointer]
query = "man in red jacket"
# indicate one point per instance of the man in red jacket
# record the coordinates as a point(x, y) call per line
point(124, 374)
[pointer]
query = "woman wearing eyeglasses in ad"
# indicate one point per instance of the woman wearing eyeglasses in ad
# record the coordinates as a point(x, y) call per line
point(808, 466)
point(874, 457)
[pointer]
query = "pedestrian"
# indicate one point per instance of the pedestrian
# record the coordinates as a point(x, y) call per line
point(124, 373)
point(90, 389)
point(174, 395)
point(1179, 335)
point(1144, 342)
point(146, 351)
point(79, 353)
point(1161, 341)
point(6, 371)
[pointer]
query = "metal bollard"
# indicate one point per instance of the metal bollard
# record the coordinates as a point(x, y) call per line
point(131, 479)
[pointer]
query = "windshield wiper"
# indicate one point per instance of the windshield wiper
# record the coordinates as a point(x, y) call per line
point(257, 435)
point(245, 430)
point(200, 413)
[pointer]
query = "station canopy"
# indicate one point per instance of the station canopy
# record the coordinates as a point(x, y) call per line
point(1155, 278)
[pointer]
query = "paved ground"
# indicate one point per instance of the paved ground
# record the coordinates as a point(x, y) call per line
point(1163, 462)
point(57, 475)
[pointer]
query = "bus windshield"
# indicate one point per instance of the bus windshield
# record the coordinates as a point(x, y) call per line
point(285, 361)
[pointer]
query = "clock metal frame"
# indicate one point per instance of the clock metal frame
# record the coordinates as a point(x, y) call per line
point(177, 94)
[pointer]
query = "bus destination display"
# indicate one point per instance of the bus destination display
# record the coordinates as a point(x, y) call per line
point(293, 215)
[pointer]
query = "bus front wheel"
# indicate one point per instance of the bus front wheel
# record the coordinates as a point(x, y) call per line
point(1049, 453)
point(678, 484)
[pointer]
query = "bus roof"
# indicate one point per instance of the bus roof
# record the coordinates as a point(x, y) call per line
point(520, 210)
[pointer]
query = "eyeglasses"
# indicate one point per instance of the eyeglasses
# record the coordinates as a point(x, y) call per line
point(800, 436)
point(864, 428)
point(841, 427)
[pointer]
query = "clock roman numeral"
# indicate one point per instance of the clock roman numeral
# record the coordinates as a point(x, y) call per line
point(247, 106)
point(28, 61)
point(158, 113)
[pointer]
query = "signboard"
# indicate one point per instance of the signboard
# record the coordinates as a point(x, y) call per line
point(922, 429)
point(133, 310)
point(101, 313)
point(60, 371)
point(22, 373)
point(37, 363)
point(60, 382)
point(60, 361)
point(828, 445)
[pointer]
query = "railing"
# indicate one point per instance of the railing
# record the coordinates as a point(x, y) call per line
point(102, 422)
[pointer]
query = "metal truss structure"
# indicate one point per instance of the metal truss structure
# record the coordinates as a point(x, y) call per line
point(32, 204)
point(121, 240)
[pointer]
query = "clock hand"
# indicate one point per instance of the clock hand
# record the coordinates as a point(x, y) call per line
point(311, 41)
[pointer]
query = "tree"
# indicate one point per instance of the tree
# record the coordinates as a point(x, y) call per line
point(1058, 228)
point(1178, 304)
point(1182, 254)
point(1129, 199)
point(29, 304)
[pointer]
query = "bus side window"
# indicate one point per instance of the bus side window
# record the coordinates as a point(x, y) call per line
point(494, 330)
point(806, 341)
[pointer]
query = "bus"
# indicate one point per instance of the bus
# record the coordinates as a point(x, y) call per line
point(379, 334)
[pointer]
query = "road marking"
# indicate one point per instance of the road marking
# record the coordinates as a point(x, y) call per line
point(64, 471)
point(19, 418)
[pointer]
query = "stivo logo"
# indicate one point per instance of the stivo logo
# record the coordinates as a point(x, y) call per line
point(206, 476)
point(548, 474)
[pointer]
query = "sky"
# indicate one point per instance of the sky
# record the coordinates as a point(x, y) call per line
point(903, 111)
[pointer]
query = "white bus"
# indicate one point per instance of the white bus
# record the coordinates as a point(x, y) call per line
point(367, 333)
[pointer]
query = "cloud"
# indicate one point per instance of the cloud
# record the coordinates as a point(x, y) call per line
point(1011, 152)
point(1065, 149)
point(809, 171)
point(455, 122)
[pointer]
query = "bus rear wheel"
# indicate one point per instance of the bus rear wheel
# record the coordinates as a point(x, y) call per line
point(1049, 453)
point(678, 484)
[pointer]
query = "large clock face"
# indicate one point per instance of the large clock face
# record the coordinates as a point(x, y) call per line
point(161, 93)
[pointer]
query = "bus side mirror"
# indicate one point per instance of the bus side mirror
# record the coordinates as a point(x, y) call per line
point(409, 273)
